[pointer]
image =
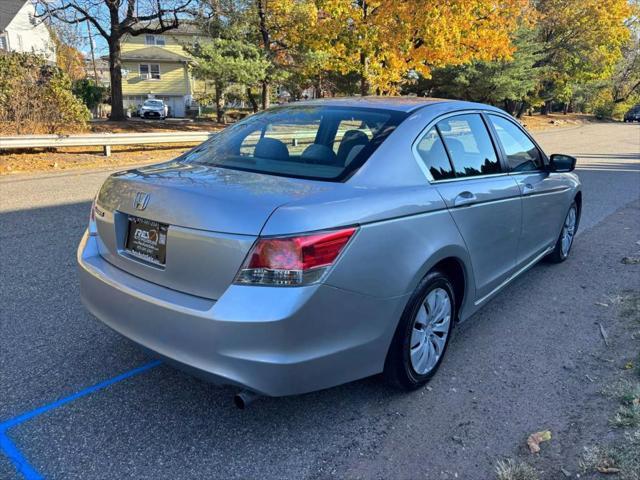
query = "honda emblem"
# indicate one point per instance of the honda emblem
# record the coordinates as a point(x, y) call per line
point(140, 201)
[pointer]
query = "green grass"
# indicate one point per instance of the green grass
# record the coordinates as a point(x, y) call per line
point(627, 392)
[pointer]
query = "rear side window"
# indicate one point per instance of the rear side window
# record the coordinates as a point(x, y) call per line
point(522, 154)
point(432, 152)
point(469, 145)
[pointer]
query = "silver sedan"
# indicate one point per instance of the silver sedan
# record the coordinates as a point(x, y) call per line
point(326, 241)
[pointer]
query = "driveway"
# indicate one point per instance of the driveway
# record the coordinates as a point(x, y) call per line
point(516, 367)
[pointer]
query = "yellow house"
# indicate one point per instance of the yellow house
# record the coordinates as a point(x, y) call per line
point(157, 66)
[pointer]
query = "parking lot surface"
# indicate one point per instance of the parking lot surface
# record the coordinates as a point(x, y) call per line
point(515, 367)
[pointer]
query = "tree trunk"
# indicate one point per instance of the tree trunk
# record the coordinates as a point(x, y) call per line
point(115, 72)
point(252, 100)
point(364, 86)
point(265, 94)
point(219, 109)
point(266, 46)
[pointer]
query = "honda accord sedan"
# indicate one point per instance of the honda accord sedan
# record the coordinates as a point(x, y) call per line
point(321, 242)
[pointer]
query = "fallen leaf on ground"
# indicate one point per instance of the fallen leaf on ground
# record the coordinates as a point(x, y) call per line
point(628, 365)
point(535, 439)
point(608, 470)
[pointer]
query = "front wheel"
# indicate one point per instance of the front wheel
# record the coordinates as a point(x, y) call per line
point(422, 336)
point(565, 240)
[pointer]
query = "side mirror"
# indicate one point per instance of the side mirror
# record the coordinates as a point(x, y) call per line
point(558, 162)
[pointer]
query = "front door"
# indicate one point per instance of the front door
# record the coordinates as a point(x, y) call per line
point(483, 200)
point(541, 191)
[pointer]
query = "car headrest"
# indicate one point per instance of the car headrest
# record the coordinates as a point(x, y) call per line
point(321, 154)
point(350, 139)
point(271, 148)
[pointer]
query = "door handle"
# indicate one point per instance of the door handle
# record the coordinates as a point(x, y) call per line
point(464, 198)
point(527, 188)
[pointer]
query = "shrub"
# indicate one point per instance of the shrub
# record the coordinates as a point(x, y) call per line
point(91, 94)
point(36, 97)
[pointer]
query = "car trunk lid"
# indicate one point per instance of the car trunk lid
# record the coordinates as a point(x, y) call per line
point(212, 219)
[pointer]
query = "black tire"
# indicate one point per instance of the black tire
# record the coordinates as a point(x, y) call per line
point(398, 370)
point(557, 255)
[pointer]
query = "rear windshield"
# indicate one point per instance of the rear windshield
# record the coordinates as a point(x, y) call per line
point(323, 143)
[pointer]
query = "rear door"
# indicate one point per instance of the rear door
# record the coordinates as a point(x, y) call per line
point(541, 192)
point(483, 200)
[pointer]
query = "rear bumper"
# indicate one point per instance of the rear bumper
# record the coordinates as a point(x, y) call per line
point(275, 341)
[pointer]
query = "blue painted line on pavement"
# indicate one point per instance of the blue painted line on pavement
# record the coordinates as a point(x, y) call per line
point(18, 460)
point(11, 450)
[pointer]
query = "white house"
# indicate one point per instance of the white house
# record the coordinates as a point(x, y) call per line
point(21, 32)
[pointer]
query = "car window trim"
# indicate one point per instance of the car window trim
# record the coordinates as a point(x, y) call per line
point(434, 122)
point(510, 119)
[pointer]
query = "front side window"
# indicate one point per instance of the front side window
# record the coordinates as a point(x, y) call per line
point(300, 141)
point(469, 145)
point(432, 152)
point(522, 154)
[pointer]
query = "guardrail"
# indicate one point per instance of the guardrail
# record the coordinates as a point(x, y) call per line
point(105, 140)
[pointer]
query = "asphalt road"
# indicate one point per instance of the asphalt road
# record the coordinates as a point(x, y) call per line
point(513, 368)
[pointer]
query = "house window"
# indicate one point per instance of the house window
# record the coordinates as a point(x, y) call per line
point(154, 40)
point(3, 43)
point(150, 71)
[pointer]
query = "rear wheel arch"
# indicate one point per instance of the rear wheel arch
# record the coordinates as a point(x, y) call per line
point(453, 269)
point(452, 261)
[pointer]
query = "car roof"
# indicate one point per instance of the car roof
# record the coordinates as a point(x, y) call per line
point(403, 104)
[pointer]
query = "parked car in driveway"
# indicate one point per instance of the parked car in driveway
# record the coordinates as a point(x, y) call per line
point(317, 243)
point(154, 108)
point(633, 114)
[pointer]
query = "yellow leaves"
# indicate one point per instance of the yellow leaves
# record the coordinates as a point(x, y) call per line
point(584, 37)
point(535, 439)
point(398, 37)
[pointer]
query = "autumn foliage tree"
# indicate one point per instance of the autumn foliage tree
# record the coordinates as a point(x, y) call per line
point(383, 40)
point(582, 41)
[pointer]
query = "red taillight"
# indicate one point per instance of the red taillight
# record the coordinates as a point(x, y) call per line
point(293, 260)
